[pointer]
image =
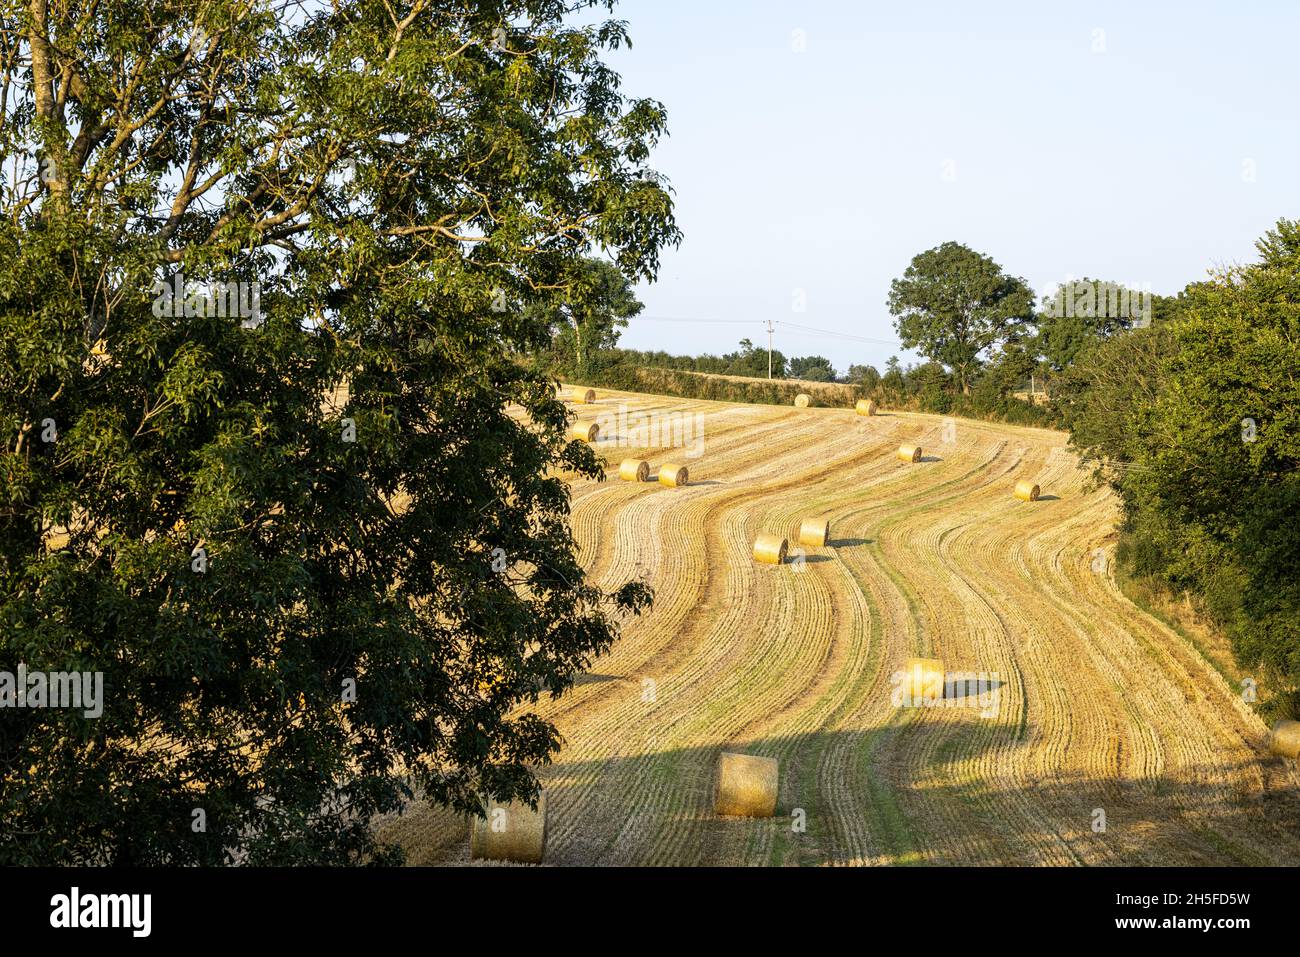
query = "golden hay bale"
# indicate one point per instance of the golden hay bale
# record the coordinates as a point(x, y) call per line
point(673, 475)
point(586, 398)
point(585, 431)
point(746, 786)
point(865, 407)
point(922, 678)
point(634, 470)
point(802, 400)
point(814, 531)
point(1027, 491)
point(1284, 739)
point(510, 832)
point(909, 453)
point(770, 549)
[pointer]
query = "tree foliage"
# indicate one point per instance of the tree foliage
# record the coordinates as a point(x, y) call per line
point(868, 377)
point(1082, 313)
point(590, 311)
point(1199, 418)
point(811, 368)
point(397, 179)
point(953, 304)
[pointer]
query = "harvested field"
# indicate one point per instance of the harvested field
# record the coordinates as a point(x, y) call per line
point(1099, 705)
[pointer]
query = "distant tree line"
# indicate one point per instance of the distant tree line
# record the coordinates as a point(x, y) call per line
point(748, 360)
point(984, 343)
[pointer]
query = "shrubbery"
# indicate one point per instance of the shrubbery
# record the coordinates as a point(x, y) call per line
point(1196, 422)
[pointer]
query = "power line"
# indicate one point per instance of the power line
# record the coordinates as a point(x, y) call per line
point(782, 322)
point(841, 335)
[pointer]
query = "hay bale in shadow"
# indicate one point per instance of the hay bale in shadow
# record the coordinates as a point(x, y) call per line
point(746, 786)
point(510, 832)
point(1284, 739)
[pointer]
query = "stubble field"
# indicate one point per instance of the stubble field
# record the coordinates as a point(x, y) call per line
point(1100, 707)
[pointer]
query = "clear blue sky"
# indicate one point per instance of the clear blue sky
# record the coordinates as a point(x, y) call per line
point(1139, 144)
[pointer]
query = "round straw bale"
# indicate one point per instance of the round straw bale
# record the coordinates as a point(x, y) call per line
point(802, 400)
point(770, 549)
point(510, 832)
point(634, 470)
point(673, 475)
point(1027, 491)
point(815, 532)
point(865, 407)
point(746, 786)
point(909, 453)
point(587, 397)
point(923, 678)
point(586, 431)
point(1284, 739)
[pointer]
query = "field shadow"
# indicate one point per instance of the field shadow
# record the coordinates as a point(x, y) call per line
point(848, 542)
point(705, 482)
point(1049, 498)
point(592, 678)
point(931, 458)
point(898, 782)
point(807, 559)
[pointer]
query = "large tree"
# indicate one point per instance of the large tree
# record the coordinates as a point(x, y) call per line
point(953, 304)
point(318, 554)
point(592, 310)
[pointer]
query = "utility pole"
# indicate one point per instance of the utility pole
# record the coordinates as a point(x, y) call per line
point(769, 348)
